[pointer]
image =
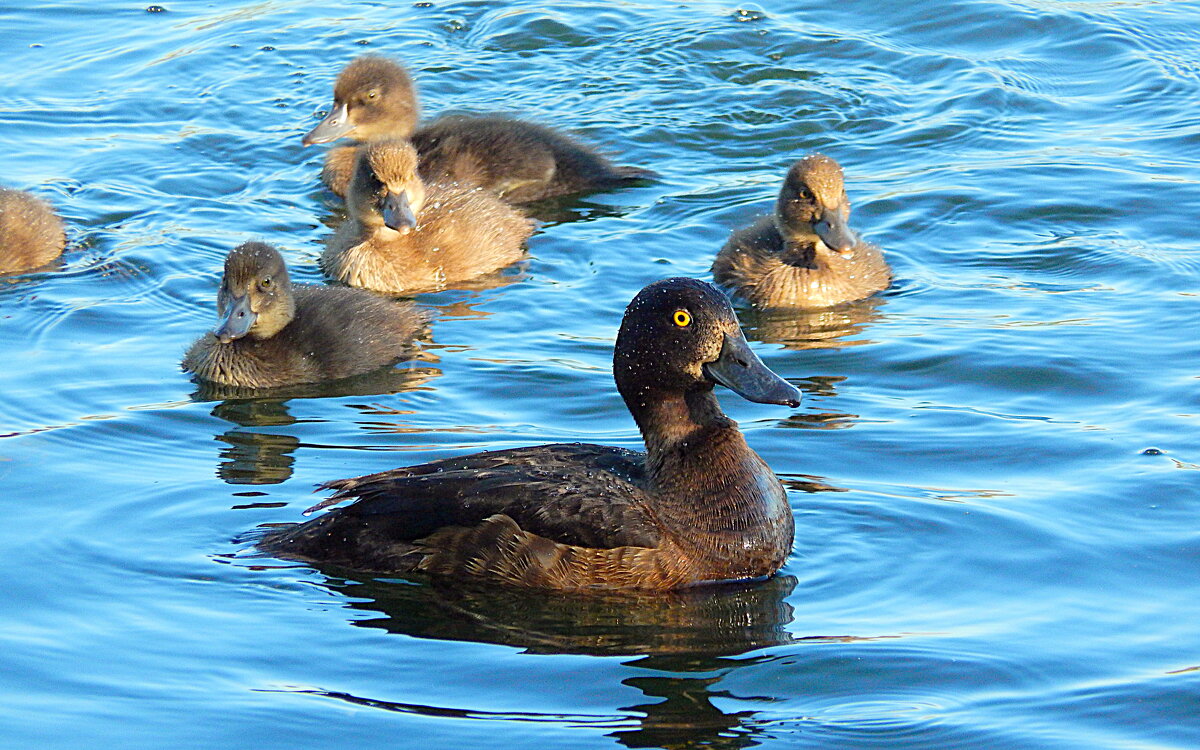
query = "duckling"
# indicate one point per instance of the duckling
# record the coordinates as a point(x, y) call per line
point(522, 162)
point(31, 234)
point(805, 255)
point(699, 505)
point(405, 236)
point(275, 333)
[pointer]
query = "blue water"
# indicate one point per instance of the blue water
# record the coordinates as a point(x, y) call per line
point(994, 473)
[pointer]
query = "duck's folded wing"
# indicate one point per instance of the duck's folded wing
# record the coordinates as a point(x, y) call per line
point(574, 494)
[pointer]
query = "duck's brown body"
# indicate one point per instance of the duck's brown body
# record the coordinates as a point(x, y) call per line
point(31, 234)
point(561, 516)
point(698, 506)
point(457, 233)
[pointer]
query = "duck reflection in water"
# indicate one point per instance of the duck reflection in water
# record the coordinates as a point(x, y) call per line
point(682, 642)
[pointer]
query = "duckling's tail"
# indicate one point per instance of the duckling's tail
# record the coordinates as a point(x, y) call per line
point(624, 175)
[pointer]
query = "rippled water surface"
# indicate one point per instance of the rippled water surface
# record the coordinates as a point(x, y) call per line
point(994, 473)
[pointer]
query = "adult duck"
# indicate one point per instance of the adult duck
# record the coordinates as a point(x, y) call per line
point(805, 254)
point(405, 235)
point(275, 333)
point(699, 505)
point(374, 98)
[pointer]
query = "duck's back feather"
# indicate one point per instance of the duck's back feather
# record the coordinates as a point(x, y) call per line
point(573, 494)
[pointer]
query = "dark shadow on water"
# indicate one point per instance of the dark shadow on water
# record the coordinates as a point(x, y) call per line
point(824, 386)
point(574, 208)
point(379, 382)
point(255, 456)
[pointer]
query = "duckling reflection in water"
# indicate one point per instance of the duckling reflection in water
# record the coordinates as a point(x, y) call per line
point(805, 254)
point(405, 236)
point(374, 99)
point(698, 506)
point(31, 234)
point(274, 333)
point(834, 327)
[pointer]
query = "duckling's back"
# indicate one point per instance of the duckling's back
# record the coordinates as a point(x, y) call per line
point(31, 234)
point(520, 161)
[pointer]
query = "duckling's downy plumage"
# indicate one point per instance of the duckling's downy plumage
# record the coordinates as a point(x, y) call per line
point(31, 234)
point(405, 236)
point(276, 333)
point(374, 98)
point(698, 506)
point(805, 254)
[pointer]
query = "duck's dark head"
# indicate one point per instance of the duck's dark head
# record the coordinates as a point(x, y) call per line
point(813, 205)
point(256, 294)
point(681, 337)
point(373, 98)
point(386, 190)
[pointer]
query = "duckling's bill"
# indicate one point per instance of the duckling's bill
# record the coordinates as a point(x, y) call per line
point(335, 125)
point(397, 212)
point(835, 231)
point(237, 322)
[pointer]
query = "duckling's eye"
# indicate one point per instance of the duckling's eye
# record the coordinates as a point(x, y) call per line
point(265, 284)
point(372, 94)
point(682, 318)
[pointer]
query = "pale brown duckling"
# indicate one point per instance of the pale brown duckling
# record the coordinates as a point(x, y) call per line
point(405, 236)
point(699, 505)
point(275, 333)
point(374, 98)
point(805, 254)
point(31, 234)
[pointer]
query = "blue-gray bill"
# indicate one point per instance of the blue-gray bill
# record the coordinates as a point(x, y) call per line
point(740, 370)
point(835, 232)
point(238, 320)
point(335, 125)
point(397, 212)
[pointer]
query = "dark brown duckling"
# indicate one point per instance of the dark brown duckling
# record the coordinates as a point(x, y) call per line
point(805, 254)
point(374, 98)
point(698, 506)
point(405, 236)
point(31, 234)
point(275, 333)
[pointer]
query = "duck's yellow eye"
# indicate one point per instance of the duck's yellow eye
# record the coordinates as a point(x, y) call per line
point(265, 283)
point(683, 318)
